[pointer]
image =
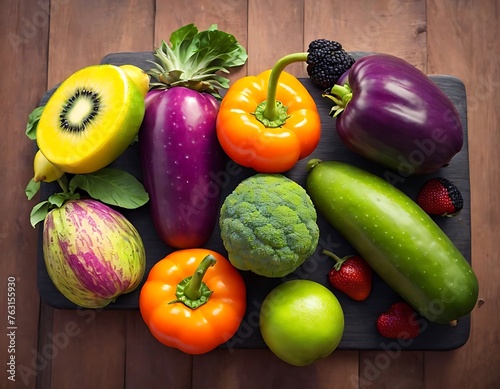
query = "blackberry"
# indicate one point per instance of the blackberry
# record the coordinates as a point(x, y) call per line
point(326, 62)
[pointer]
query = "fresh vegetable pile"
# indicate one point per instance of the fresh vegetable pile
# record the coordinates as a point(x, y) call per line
point(214, 163)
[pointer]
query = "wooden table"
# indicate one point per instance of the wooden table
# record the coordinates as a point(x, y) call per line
point(87, 349)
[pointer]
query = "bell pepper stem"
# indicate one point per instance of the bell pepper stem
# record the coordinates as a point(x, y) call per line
point(192, 291)
point(193, 288)
point(271, 112)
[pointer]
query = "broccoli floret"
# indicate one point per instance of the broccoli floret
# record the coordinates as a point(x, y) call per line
point(268, 225)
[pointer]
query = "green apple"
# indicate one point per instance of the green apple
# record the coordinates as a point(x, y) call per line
point(301, 321)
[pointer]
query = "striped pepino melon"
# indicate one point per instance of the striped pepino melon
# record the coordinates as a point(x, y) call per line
point(93, 254)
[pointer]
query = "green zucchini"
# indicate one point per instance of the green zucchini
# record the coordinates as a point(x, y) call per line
point(402, 244)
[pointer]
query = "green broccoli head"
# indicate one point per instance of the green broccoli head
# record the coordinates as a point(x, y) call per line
point(268, 225)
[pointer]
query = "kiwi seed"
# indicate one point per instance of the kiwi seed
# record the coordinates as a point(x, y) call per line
point(94, 101)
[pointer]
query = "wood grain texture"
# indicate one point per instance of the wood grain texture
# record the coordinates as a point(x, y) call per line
point(391, 368)
point(472, 52)
point(87, 349)
point(275, 29)
point(457, 37)
point(23, 54)
point(386, 26)
point(80, 36)
point(149, 363)
point(83, 31)
point(261, 369)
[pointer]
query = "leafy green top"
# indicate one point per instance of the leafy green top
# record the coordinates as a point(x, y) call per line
point(194, 59)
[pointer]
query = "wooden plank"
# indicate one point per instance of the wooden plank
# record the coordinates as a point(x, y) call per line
point(391, 368)
point(80, 36)
point(467, 51)
point(387, 26)
point(471, 51)
point(228, 15)
point(149, 363)
point(262, 369)
point(23, 59)
point(87, 348)
point(268, 40)
point(275, 29)
point(43, 369)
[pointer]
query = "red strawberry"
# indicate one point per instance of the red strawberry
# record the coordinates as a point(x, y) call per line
point(351, 275)
point(439, 196)
point(398, 322)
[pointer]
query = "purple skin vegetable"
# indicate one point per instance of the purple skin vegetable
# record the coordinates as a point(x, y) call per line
point(395, 115)
point(180, 154)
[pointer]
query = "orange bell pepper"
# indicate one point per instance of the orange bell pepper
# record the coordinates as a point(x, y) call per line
point(193, 300)
point(270, 121)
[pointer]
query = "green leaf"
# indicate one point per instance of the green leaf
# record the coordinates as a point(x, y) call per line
point(32, 189)
point(39, 212)
point(194, 53)
point(33, 119)
point(181, 38)
point(111, 186)
point(59, 199)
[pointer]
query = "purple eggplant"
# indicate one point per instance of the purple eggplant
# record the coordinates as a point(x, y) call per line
point(180, 154)
point(392, 113)
point(179, 150)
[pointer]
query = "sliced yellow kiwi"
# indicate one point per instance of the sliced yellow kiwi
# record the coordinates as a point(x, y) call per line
point(90, 119)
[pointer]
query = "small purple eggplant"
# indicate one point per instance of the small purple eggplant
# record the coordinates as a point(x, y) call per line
point(392, 113)
point(180, 155)
point(179, 149)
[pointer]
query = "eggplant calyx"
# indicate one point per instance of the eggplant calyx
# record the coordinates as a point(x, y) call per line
point(341, 95)
point(192, 291)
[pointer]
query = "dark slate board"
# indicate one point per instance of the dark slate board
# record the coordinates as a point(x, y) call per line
point(360, 331)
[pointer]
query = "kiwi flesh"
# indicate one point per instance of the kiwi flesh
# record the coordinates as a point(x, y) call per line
point(90, 119)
